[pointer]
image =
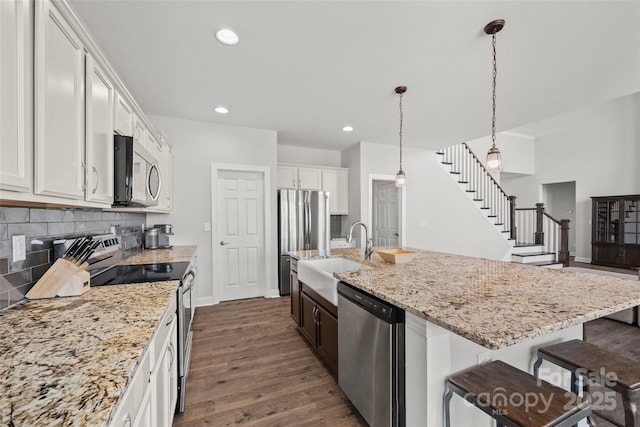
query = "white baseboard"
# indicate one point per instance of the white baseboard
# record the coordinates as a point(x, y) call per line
point(204, 301)
point(581, 259)
point(272, 293)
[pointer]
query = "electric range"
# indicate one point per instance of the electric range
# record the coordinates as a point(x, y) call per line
point(139, 273)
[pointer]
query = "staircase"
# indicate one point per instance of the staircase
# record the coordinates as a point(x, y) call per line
point(525, 229)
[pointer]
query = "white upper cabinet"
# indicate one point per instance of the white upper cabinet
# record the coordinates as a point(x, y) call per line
point(336, 182)
point(302, 178)
point(139, 131)
point(124, 117)
point(59, 106)
point(16, 93)
point(99, 132)
point(309, 179)
point(165, 160)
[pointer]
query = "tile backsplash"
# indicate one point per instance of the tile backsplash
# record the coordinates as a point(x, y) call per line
point(41, 227)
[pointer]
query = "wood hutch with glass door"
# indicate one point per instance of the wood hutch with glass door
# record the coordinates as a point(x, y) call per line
point(615, 236)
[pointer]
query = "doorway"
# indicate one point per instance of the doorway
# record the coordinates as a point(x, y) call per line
point(559, 199)
point(239, 250)
point(386, 214)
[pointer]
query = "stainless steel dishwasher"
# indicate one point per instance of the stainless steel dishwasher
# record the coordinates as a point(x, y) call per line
point(371, 356)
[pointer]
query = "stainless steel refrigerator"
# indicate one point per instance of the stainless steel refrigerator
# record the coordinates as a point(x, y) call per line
point(303, 224)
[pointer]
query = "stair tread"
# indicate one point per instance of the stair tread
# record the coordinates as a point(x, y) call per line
point(440, 153)
point(470, 191)
point(455, 173)
point(463, 182)
point(446, 163)
point(527, 254)
point(526, 245)
point(492, 216)
point(478, 200)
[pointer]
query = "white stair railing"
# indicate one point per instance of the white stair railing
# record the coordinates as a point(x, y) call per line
point(472, 173)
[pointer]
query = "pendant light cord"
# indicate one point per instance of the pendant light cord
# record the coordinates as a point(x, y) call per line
point(495, 74)
point(401, 119)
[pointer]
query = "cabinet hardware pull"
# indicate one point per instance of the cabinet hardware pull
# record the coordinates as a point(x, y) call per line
point(84, 175)
point(170, 321)
point(170, 349)
point(93, 168)
point(222, 243)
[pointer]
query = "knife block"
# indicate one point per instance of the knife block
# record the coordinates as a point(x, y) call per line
point(78, 284)
point(63, 276)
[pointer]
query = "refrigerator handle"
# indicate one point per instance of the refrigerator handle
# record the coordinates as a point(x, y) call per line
point(307, 224)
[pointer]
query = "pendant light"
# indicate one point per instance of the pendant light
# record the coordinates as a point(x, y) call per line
point(401, 179)
point(494, 158)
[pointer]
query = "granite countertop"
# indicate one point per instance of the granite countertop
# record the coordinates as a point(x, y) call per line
point(152, 256)
point(492, 303)
point(66, 361)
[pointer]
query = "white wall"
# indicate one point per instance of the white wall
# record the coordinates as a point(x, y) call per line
point(439, 215)
point(518, 151)
point(598, 148)
point(308, 156)
point(196, 145)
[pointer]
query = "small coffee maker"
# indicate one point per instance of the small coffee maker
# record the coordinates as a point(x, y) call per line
point(157, 237)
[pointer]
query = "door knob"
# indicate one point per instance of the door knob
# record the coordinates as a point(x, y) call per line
point(396, 234)
point(222, 243)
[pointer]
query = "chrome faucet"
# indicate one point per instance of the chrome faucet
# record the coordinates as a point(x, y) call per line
point(368, 247)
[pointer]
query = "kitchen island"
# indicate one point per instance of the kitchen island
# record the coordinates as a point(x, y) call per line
point(68, 361)
point(462, 311)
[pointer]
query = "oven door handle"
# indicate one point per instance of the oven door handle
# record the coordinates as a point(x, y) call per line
point(188, 281)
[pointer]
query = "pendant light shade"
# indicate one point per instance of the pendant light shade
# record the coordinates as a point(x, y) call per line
point(494, 158)
point(401, 179)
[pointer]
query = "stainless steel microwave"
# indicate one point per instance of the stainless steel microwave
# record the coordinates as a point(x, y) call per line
point(136, 177)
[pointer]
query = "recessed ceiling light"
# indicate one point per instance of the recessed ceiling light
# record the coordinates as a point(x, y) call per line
point(347, 129)
point(221, 110)
point(228, 37)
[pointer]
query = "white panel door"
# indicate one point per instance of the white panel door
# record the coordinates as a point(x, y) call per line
point(59, 106)
point(240, 230)
point(99, 145)
point(16, 93)
point(385, 215)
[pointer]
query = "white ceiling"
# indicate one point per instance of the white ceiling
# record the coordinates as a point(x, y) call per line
point(307, 68)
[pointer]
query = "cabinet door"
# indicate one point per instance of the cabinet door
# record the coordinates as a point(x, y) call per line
point(309, 179)
point(124, 117)
point(16, 92)
point(59, 106)
point(308, 318)
point(295, 298)
point(173, 375)
point(336, 182)
point(328, 337)
point(139, 131)
point(99, 144)
point(165, 161)
point(144, 417)
point(287, 177)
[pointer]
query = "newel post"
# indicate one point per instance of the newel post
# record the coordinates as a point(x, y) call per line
point(563, 254)
point(512, 216)
point(539, 234)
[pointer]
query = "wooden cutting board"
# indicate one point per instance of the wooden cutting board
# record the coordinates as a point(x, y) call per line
point(54, 279)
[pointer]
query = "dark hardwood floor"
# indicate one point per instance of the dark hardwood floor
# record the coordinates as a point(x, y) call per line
point(250, 366)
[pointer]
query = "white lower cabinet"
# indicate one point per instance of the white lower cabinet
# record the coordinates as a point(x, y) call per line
point(150, 397)
point(162, 406)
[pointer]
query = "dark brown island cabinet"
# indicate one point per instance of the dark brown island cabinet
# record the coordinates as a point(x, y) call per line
point(615, 235)
point(316, 319)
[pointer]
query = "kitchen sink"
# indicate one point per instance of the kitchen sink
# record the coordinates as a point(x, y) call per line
point(318, 274)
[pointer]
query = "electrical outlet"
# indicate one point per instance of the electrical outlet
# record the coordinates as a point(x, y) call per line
point(207, 226)
point(19, 248)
